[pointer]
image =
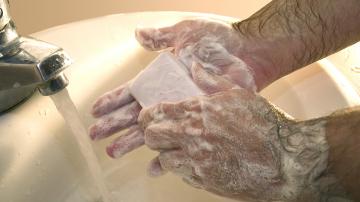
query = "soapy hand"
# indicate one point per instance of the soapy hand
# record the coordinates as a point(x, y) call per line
point(226, 143)
point(233, 143)
point(236, 144)
point(213, 45)
point(209, 49)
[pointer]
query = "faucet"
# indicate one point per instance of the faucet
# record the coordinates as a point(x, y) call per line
point(27, 64)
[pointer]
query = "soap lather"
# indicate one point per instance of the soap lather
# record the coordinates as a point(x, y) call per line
point(165, 79)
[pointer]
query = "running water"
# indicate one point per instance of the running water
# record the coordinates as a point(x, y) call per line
point(67, 109)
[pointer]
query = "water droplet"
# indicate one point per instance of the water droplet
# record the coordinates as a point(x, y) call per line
point(16, 85)
point(43, 112)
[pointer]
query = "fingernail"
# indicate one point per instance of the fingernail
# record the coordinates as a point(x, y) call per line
point(93, 133)
point(110, 150)
point(116, 150)
point(95, 111)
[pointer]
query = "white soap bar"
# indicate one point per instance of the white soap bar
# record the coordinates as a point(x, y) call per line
point(164, 80)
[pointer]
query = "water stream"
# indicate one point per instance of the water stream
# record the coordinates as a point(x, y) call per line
point(67, 109)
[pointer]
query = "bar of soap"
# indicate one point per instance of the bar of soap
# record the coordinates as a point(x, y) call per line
point(164, 80)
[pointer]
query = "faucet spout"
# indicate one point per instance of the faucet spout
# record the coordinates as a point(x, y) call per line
point(54, 85)
point(32, 62)
point(27, 64)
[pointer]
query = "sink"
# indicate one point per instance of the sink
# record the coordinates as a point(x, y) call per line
point(39, 159)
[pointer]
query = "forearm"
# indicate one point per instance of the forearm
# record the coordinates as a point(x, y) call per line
point(288, 34)
point(343, 137)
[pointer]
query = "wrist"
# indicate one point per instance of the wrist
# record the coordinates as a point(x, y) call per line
point(270, 56)
point(305, 154)
point(304, 157)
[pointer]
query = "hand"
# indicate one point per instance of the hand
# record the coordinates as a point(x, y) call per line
point(211, 51)
point(212, 45)
point(236, 144)
point(226, 143)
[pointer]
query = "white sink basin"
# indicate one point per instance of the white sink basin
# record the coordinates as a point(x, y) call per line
point(39, 160)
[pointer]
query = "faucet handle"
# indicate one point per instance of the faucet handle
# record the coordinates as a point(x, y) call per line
point(8, 33)
point(4, 13)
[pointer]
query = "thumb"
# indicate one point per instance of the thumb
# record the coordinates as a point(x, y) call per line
point(156, 39)
point(209, 82)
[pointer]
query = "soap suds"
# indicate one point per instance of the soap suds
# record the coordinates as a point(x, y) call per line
point(215, 58)
point(115, 121)
point(305, 157)
point(154, 39)
point(111, 101)
point(127, 142)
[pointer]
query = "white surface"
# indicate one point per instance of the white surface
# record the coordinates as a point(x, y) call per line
point(348, 63)
point(165, 79)
point(40, 161)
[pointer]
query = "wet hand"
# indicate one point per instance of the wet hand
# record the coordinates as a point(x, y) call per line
point(117, 111)
point(212, 45)
point(226, 143)
point(209, 49)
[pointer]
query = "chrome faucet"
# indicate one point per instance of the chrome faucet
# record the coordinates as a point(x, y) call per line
point(27, 64)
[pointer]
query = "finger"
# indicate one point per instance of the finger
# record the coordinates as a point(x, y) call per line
point(115, 121)
point(209, 82)
point(111, 101)
point(177, 162)
point(127, 142)
point(155, 169)
point(169, 111)
point(148, 115)
point(156, 39)
point(193, 181)
point(166, 110)
point(164, 136)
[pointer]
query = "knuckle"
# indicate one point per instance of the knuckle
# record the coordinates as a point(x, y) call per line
point(145, 117)
point(152, 138)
